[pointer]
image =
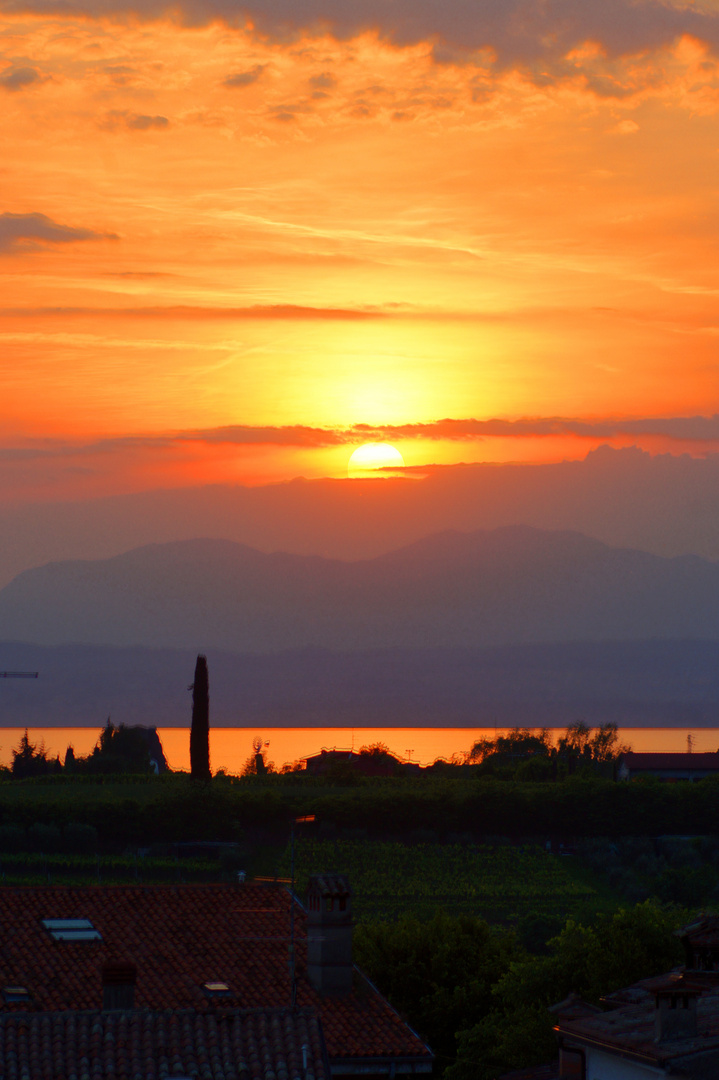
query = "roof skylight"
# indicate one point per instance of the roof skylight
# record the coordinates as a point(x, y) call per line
point(71, 930)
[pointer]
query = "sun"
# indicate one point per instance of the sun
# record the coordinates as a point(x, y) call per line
point(372, 456)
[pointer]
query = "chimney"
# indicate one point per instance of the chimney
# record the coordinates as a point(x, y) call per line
point(701, 944)
point(675, 1015)
point(329, 934)
point(118, 985)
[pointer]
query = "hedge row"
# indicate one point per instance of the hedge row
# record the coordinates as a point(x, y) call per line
point(221, 811)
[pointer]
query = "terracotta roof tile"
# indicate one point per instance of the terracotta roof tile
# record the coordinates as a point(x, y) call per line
point(228, 1045)
point(179, 938)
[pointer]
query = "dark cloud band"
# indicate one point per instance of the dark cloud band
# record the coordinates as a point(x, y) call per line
point(702, 429)
point(517, 31)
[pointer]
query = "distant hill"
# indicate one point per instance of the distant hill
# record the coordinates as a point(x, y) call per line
point(666, 504)
point(634, 684)
point(452, 590)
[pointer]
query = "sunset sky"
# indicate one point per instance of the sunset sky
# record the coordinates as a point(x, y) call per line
point(239, 240)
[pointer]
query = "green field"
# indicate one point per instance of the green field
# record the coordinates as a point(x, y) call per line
point(502, 883)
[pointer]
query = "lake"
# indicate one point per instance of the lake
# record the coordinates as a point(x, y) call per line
point(230, 747)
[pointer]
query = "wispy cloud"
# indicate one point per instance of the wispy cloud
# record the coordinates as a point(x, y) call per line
point(245, 78)
point(23, 230)
point(256, 311)
point(134, 121)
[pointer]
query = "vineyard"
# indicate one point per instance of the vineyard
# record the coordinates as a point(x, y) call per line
point(38, 869)
point(502, 884)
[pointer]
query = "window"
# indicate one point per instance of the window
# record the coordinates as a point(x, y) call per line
point(571, 1064)
point(71, 930)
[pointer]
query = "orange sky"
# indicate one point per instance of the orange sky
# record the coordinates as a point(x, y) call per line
point(271, 215)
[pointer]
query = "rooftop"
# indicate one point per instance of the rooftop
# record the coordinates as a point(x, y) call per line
point(636, 760)
point(228, 1045)
point(630, 1030)
point(181, 937)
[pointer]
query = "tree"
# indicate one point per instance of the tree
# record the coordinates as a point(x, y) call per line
point(438, 974)
point(31, 760)
point(617, 950)
point(119, 750)
point(506, 752)
point(580, 748)
point(200, 730)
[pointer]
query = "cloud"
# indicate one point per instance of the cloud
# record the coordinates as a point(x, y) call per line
point(18, 78)
point(245, 78)
point(625, 127)
point(19, 231)
point(134, 121)
point(685, 429)
point(257, 311)
point(690, 429)
point(324, 81)
point(516, 31)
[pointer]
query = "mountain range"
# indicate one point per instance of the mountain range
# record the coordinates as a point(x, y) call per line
point(451, 590)
point(666, 504)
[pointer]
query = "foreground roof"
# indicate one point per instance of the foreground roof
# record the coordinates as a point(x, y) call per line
point(222, 1045)
point(630, 1032)
point(659, 761)
point(180, 938)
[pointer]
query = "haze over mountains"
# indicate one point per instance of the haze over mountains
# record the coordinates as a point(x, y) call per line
point(452, 590)
point(456, 628)
point(633, 684)
point(665, 504)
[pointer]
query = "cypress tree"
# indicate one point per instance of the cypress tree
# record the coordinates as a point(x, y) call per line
point(200, 730)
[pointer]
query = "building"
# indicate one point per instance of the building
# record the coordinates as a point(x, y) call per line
point(208, 981)
point(362, 764)
point(663, 1027)
point(667, 766)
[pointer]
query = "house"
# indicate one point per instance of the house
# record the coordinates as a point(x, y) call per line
point(210, 981)
point(319, 764)
point(667, 766)
point(380, 764)
point(662, 1027)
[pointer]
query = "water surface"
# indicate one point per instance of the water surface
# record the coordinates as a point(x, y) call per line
point(231, 747)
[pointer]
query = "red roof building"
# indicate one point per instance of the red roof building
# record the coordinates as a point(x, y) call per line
point(198, 955)
point(178, 1043)
point(662, 1027)
point(668, 766)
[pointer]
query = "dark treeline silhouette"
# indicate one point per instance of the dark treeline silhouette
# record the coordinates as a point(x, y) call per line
point(530, 754)
point(118, 750)
point(177, 808)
